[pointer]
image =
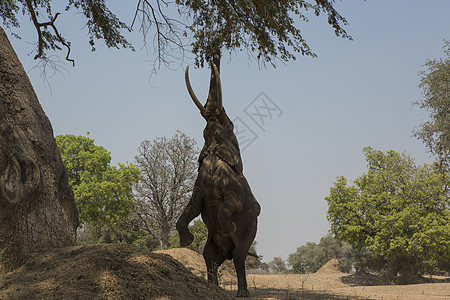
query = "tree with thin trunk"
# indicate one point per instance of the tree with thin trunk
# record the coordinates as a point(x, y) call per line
point(168, 171)
point(37, 208)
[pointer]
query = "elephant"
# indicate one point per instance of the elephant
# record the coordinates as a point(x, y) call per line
point(221, 193)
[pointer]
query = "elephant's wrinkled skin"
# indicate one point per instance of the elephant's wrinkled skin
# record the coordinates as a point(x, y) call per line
point(221, 193)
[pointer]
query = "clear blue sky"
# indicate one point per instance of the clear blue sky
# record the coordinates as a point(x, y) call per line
point(355, 94)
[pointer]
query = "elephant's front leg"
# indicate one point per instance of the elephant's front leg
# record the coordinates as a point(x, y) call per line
point(192, 210)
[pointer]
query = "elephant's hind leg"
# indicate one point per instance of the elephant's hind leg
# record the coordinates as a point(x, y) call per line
point(240, 254)
point(239, 263)
point(213, 259)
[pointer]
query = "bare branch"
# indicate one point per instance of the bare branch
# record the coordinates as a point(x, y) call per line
point(38, 26)
point(168, 38)
point(168, 168)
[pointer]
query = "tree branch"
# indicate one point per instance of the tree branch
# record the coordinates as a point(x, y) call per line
point(38, 26)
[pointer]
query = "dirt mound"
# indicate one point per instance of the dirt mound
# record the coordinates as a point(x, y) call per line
point(195, 263)
point(113, 271)
point(332, 266)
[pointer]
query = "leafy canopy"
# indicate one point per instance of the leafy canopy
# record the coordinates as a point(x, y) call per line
point(268, 29)
point(101, 23)
point(397, 209)
point(277, 265)
point(121, 232)
point(310, 257)
point(435, 84)
point(103, 193)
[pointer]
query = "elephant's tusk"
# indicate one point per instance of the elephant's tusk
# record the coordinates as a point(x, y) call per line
point(192, 94)
point(219, 88)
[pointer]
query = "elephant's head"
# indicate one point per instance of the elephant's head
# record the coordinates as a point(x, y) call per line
point(213, 107)
point(218, 133)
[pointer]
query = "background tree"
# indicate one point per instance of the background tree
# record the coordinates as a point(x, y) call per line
point(124, 231)
point(103, 193)
point(265, 267)
point(305, 259)
point(277, 265)
point(397, 210)
point(310, 257)
point(168, 171)
point(435, 84)
point(253, 261)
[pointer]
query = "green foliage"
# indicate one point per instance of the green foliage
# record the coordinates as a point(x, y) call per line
point(200, 232)
point(103, 193)
point(277, 265)
point(310, 257)
point(397, 210)
point(101, 23)
point(267, 28)
point(122, 232)
point(435, 84)
point(252, 261)
point(8, 11)
point(265, 267)
point(305, 259)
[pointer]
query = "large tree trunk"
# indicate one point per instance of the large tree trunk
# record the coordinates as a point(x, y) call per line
point(37, 207)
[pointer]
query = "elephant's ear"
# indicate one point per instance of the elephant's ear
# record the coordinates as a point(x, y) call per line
point(228, 153)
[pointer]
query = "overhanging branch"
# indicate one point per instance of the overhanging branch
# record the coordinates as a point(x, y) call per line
point(51, 23)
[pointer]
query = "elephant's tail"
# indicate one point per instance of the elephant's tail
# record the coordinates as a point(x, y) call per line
point(253, 254)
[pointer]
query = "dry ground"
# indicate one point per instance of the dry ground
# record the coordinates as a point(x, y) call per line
point(325, 284)
point(123, 272)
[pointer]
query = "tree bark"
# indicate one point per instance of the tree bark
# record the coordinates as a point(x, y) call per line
point(37, 207)
point(164, 236)
point(393, 267)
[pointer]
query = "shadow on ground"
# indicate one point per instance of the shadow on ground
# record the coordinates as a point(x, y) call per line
point(376, 280)
point(270, 293)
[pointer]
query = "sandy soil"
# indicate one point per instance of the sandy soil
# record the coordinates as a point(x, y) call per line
point(105, 272)
point(330, 286)
point(124, 272)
